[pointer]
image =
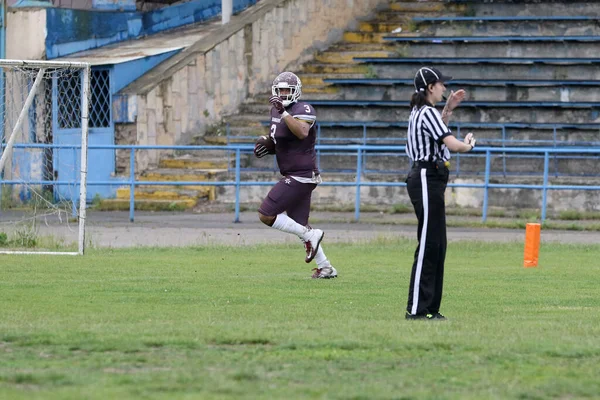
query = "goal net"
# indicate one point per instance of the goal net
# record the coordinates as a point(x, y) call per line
point(44, 114)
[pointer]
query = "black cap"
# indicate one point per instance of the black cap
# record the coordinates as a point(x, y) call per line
point(428, 75)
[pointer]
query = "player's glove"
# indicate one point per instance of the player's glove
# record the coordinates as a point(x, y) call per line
point(277, 103)
point(263, 146)
point(470, 140)
point(260, 150)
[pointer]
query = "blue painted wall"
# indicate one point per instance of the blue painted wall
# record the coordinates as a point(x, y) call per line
point(70, 31)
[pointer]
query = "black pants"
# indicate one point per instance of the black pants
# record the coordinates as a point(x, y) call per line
point(426, 184)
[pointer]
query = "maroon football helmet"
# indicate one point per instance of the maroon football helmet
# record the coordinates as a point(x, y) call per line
point(287, 80)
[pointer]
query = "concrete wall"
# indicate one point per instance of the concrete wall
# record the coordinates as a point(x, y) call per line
point(31, 45)
point(192, 93)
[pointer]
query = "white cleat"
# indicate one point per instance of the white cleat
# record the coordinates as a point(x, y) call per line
point(312, 243)
point(324, 273)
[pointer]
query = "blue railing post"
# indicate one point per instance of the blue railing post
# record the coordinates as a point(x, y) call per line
point(237, 185)
point(545, 186)
point(364, 141)
point(555, 155)
point(488, 164)
point(228, 141)
point(457, 171)
point(131, 184)
point(318, 143)
point(504, 154)
point(358, 178)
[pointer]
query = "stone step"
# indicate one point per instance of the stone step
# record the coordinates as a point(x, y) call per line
point(468, 70)
point(405, 90)
point(342, 70)
point(509, 28)
point(534, 8)
point(345, 52)
point(146, 205)
point(168, 174)
point(249, 120)
point(484, 113)
point(193, 163)
point(347, 57)
point(172, 193)
point(497, 49)
point(309, 79)
point(427, 7)
point(378, 30)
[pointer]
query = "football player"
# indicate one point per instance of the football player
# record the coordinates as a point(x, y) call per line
point(293, 134)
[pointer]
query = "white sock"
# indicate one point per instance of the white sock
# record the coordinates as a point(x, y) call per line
point(286, 224)
point(321, 259)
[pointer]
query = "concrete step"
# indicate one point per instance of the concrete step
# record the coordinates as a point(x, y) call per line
point(427, 7)
point(146, 205)
point(250, 120)
point(508, 28)
point(468, 70)
point(534, 8)
point(171, 193)
point(502, 49)
point(197, 163)
point(405, 90)
point(377, 31)
point(485, 113)
point(310, 79)
point(347, 57)
point(460, 48)
point(332, 69)
point(169, 174)
point(340, 70)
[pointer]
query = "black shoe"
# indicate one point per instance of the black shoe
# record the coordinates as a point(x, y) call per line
point(415, 316)
point(436, 316)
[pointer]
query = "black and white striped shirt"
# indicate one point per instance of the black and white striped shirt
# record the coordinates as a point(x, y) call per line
point(426, 133)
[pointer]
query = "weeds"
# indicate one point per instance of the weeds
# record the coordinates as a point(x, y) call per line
point(371, 72)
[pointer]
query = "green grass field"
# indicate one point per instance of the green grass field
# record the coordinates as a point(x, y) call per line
point(247, 322)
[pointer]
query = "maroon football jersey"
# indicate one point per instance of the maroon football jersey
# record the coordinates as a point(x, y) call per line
point(295, 157)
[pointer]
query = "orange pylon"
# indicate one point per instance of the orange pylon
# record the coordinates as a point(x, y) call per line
point(532, 245)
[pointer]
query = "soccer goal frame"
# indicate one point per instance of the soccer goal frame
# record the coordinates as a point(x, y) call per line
point(6, 149)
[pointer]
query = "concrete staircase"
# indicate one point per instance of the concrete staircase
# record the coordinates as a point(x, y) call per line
point(526, 70)
point(186, 167)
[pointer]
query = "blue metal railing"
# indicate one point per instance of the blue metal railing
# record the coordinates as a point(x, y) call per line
point(457, 127)
point(358, 183)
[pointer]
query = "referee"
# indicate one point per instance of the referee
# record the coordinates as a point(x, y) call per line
point(428, 147)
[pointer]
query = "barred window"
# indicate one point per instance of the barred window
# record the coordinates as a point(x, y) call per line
point(69, 112)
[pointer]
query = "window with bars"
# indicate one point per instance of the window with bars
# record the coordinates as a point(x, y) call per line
point(69, 112)
point(100, 101)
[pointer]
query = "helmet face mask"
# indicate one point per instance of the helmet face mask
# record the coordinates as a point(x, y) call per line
point(287, 80)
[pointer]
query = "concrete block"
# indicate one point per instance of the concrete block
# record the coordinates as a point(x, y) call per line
point(152, 127)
